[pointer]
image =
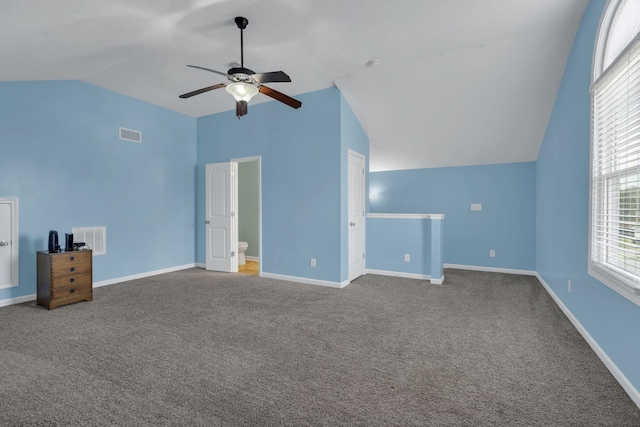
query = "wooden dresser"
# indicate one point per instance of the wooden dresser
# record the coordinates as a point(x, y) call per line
point(64, 278)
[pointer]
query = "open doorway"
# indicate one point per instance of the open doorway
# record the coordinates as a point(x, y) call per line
point(249, 215)
point(225, 248)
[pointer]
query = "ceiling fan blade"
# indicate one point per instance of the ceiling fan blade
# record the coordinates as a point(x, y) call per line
point(203, 90)
point(293, 103)
point(241, 108)
point(272, 77)
point(209, 69)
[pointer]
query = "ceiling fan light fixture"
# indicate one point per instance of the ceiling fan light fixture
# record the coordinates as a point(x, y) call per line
point(242, 91)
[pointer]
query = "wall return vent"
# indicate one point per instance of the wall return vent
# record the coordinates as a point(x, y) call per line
point(131, 135)
point(94, 237)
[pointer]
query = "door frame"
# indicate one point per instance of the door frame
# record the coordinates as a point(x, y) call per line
point(235, 191)
point(350, 275)
point(14, 243)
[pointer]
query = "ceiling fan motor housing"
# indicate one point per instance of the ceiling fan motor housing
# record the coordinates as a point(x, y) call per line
point(240, 73)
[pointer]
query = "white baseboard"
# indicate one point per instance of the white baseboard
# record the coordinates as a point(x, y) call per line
point(307, 281)
point(439, 281)
point(141, 275)
point(490, 269)
point(252, 258)
point(398, 274)
point(201, 265)
point(17, 300)
point(613, 368)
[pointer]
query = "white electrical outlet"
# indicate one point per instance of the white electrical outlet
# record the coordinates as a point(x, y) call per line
point(569, 285)
point(407, 258)
point(313, 262)
point(492, 253)
point(476, 206)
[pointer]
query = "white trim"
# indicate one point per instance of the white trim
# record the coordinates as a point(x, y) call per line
point(252, 258)
point(601, 38)
point(15, 242)
point(490, 269)
point(633, 393)
point(398, 274)
point(17, 300)
point(307, 281)
point(142, 275)
point(439, 281)
point(416, 276)
point(405, 216)
point(201, 265)
point(246, 159)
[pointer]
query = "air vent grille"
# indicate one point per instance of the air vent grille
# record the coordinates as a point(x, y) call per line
point(94, 237)
point(131, 135)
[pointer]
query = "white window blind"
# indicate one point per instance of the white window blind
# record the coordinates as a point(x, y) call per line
point(615, 175)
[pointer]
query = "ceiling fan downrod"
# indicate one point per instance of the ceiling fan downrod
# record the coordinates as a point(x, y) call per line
point(241, 22)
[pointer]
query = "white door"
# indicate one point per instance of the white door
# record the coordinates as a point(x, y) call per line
point(221, 240)
point(356, 215)
point(8, 243)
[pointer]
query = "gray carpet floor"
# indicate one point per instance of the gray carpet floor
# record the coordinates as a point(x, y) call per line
point(196, 348)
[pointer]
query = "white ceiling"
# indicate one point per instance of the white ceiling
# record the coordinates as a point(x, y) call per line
point(461, 82)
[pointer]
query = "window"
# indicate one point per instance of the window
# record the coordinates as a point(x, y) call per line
point(614, 257)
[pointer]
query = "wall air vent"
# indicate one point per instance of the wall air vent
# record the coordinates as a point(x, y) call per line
point(95, 238)
point(131, 135)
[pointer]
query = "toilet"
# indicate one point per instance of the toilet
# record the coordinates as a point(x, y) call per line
point(242, 247)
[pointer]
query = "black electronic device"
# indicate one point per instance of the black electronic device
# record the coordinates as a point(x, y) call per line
point(68, 242)
point(53, 242)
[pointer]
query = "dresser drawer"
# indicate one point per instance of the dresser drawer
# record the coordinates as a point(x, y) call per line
point(70, 264)
point(80, 279)
point(71, 291)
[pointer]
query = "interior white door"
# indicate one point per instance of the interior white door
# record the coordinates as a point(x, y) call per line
point(356, 215)
point(221, 241)
point(8, 261)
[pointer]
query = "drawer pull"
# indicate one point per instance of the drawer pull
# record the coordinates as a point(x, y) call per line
point(72, 291)
point(72, 269)
point(72, 258)
point(72, 280)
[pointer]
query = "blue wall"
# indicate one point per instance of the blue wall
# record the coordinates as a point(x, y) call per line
point(389, 239)
point(61, 155)
point(301, 173)
point(505, 224)
point(563, 212)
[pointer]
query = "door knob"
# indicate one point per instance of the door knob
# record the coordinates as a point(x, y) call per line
point(353, 224)
point(4, 243)
point(206, 222)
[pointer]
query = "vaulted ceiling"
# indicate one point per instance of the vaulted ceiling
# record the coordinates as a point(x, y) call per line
point(459, 82)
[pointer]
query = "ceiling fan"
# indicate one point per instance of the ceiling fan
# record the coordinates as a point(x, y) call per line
point(245, 83)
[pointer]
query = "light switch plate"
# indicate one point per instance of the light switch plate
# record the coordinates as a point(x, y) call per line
point(476, 206)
